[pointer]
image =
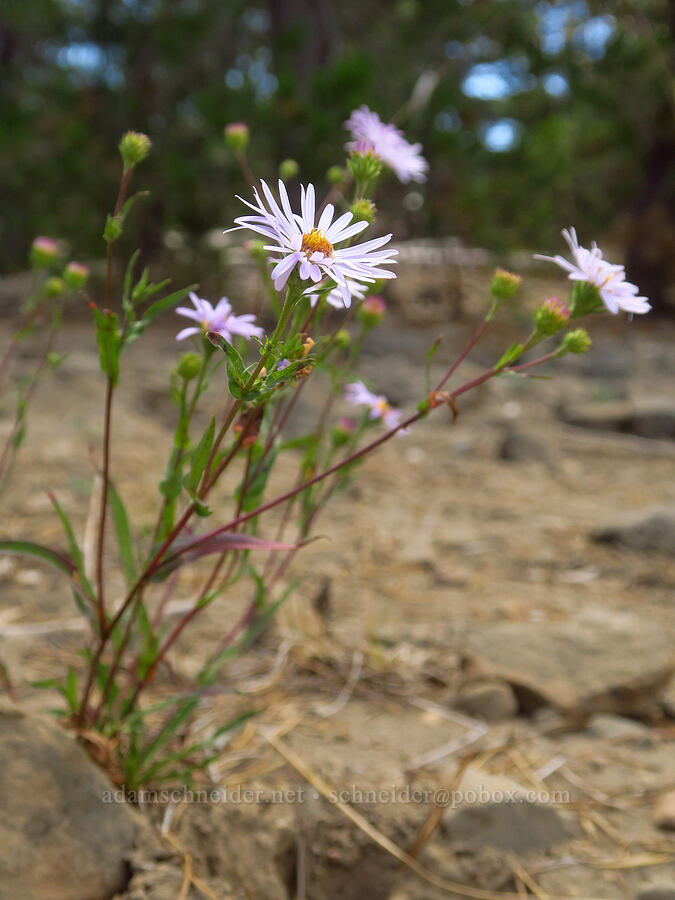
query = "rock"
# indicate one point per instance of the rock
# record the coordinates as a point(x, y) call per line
point(495, 811)
point(519, 446)
point(652, 417)
point(647, 529)
point(490, 700)
point(618, 728)
point(657, 892)
point(664, 811)
point(600, 661)
point(59, 840)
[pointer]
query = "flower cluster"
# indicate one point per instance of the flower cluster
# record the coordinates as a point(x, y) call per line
point(370, 133)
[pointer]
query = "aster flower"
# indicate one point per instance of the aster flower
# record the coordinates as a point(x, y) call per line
point(359, 395)
point(388, 143)
point(610, 280)
point(219, 320)
point(304, 244)
point(334, 297)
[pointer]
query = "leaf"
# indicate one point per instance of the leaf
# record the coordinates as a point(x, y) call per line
point(126, 291)
point(108, 340)
point(169, 729)
point(510, 356)
point(74, 547)
point(123, 534)
point(200, 457)
point(160, 306)
point(69, 690)
point(28, 548)
point(219, 543)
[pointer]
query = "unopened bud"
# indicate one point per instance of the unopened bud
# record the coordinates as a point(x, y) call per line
point(504, 285)
point(551, 316)
point(371, 311)
point(363, 163)
point(188, 366)
point(44, 252)
point(363, 211)
point(342, 339)
point(343, 430)
point(53, 287)
point(134, 147)
point(237, 136)
point(75, 275)
point(335, 175)
point(576, 341)
point(288, 169)
point(586, 299)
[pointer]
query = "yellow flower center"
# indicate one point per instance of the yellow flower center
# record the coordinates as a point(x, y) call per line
point(315, 241)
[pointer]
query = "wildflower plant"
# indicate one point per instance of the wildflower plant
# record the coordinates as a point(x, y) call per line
point(322, 280)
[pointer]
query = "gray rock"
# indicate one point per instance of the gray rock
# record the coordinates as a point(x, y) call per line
point(652, 417)
point(600, 661)
point(519, 446)
point(657, 892)
point(491, 700)
point(648, 529)
point(59, 840)
point(494, 811)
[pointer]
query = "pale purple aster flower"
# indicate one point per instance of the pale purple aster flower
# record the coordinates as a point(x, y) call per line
point(308, 245)
point(219, 320)
point(371, 134)
point(357, 291)
point(378, 406)
point(610, 280)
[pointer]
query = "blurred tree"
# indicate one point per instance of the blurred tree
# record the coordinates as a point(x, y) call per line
point(533, 113)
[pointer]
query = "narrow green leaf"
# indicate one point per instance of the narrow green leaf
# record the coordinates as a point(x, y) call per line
point(123, 534)
point(200, 456)
point(29, 548)
point(160, 306)
point(73, 546)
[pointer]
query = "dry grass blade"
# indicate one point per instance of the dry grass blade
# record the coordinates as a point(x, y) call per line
point(524, 876)
point(325, 789)
point(189, 879)
point(436, 814)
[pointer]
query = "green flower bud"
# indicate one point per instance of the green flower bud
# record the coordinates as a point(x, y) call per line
point(576, 341)
point(113, 228)
point(335, 175)
point(363, 211)
point(288, 169)
point(237, 136)
point(343, 430)
point(342, 339)
point(371, 311)
point(134, 147)
point(551, 316)
point(504, 285)
point(364, 165)
point(75, 275)
point(188, 366)
point(44, 252)
point(586, 299)
point(53, 287)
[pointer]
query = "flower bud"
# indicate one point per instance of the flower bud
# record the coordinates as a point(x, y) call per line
point(134, 147)
point(576, 341)
point(364, 165)
point(363, 211)
point(188, 366)
point(371, 311)
point(343, 430)
point(335, 175)
point(551, 316)
point(586, 299)
point(53, 287)
point(504, 285)
point(237, 136)
point(256, 250)
point(75, 275)
point(113, 228)
point(288, 169)
point(342, 339)
point(44, 252)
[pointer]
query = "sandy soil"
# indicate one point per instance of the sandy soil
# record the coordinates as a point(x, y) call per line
point(358, 678)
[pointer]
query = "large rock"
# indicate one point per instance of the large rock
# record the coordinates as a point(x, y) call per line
point(601, 661)
point(496, 811)
point(647, 529)
point(59, 840)
point(652, 417)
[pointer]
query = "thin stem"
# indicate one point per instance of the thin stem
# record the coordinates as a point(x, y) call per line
point(465, 352)
point(104, 503)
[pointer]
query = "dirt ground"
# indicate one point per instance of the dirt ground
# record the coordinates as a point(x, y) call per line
point(357, 684)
